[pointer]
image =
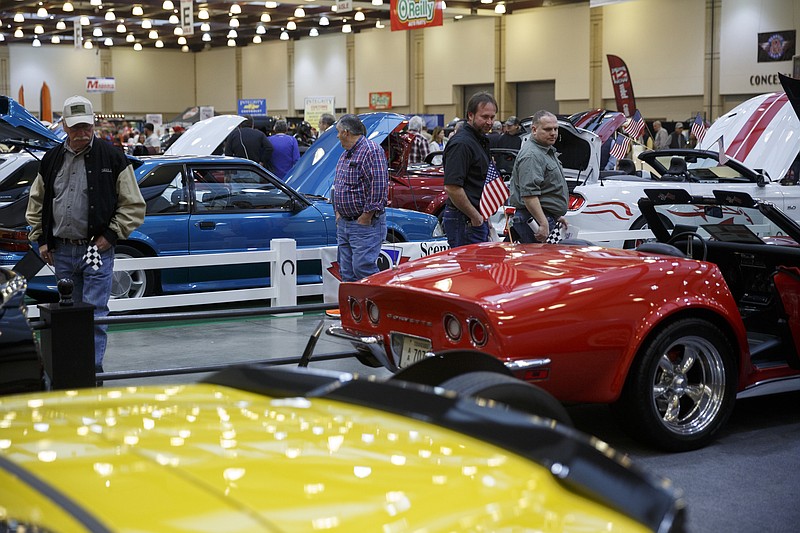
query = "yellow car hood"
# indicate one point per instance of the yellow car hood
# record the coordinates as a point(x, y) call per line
point(213, 458)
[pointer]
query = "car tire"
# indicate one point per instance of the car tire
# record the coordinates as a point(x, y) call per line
point(681, 387)
point(510, 391)
point(135, 283)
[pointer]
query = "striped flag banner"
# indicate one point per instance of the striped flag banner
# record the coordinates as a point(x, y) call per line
point(495, 192)
point(504, 275)
point(699, 128)
point(620, 147)
point(635, 127)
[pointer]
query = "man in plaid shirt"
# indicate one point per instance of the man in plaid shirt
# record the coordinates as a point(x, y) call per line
point(359, 198)
point(420, 146)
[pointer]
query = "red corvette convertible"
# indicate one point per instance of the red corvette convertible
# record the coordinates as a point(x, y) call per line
point(670, 334)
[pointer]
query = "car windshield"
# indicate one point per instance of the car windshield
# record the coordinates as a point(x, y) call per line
point(699, 168)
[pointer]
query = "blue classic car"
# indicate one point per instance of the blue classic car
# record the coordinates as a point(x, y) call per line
point(202, 203)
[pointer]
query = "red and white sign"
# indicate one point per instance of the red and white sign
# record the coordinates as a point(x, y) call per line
point(415, 14)
point(101, 85)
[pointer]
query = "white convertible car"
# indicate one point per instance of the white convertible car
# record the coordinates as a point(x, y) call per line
point(761, 142)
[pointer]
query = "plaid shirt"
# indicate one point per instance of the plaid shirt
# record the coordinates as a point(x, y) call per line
point(362, 179)
point(419, 149)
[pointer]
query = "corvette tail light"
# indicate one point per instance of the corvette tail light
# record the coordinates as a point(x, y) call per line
point(14, 241)
point(373, 313)
point(452, 327)
point(355, 309)
point(477, 332)
point(576, 201)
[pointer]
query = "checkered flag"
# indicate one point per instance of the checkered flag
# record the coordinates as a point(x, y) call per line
point(555, 234)
point(92, 257)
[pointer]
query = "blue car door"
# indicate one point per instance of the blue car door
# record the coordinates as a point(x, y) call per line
point(239, 207)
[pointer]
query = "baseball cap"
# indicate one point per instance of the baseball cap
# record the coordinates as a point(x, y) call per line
point(678, 125)
point(512, 121)
point(78, 110)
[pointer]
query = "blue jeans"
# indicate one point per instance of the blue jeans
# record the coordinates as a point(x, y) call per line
point(359, 246)
point(521, 231)
point(459, 231)
point(90, 286)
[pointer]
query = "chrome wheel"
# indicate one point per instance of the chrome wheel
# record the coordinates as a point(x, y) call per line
point(131, 284)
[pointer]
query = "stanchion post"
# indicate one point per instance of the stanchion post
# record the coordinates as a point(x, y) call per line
point(283, 272)
point(68, 341)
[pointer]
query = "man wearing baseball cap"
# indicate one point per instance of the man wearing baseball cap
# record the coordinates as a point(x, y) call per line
point(83, 200)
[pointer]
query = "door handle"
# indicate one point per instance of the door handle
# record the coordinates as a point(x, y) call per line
point(206, 225)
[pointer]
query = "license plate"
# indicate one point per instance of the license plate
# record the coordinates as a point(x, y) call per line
point(413, 349)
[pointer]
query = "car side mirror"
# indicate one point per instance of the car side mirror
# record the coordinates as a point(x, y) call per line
point(760, 180)
point(713, 211)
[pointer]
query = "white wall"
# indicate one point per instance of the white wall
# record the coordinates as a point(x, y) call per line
point(216, 79)
point(381, 64)
point(458, 53)
point(742, 21)
point(666, 62)
point(320, 69)
point(63, 68)
point(167, 89)
point(265, 71)
point(540, 43)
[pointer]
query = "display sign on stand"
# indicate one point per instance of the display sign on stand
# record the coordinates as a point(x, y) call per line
point(315, 106)
point(380, 100)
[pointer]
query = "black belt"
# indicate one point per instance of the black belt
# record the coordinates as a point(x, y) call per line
point(349, 219)
point(76, 242)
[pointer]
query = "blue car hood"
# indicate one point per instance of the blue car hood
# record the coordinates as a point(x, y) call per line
point(17, 124)
point(313, 173)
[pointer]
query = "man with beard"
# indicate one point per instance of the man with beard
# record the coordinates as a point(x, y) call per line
point(83, 200)
point(466, 161)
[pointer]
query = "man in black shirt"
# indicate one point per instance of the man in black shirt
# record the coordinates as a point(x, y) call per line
point(249, 143)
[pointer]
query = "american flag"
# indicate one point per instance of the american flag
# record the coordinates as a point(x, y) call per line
point(495, 192)
point(699, 128)
point(635, 127)
point(504, 275)
point(620, 146)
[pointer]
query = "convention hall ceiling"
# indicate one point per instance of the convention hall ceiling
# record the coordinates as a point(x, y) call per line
point(114, 23)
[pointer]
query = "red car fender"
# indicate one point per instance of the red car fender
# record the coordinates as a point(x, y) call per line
point(437, 204)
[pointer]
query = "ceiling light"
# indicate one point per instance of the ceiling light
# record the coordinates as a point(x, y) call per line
point(232, 34)
point(84, 20)
point(359, 16)
point(19, 17)
point(55, 39)
point(137, 47)
point(500, 9)
point(313, 32)
point(167, 5)
point(137, 11)
point(159, 44)
point(323, 21)
point(334, 8)
point(41, 13)
point(270, 5)
point(235, 9)
point(256, 39)
point(181, 40)
point(146, 24)
point(130, 38)
point(38, 29)
point(177, 31)
point(97, 32)
point(234, 22)
point(206, 37)
point(261, 30)
point(18, 33)
point(299, 12)
point(291, 26)
point(284, 36)
point(205, 26)
point(96, 3)
point(121, 28)
point(231, 42)
point(184, 48)
point(377, 2)
point(265, 17)
point(486, 1)
point(36, 42)
point(109, 41)
point(173, 19)
point(110, 16)
point(202, 14)
point(67, 7)
point(61, 25)
point(88, 44)
point(152, 35)
point(346, 28)
point(380, 25)
point(3, 38)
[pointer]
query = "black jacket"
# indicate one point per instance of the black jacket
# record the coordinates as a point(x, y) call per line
point(251, 144)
